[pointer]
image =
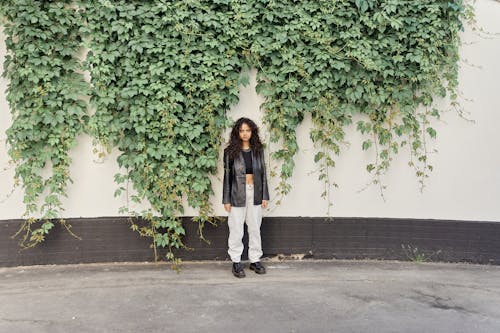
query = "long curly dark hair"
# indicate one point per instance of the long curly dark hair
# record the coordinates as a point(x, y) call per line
point(233, 148)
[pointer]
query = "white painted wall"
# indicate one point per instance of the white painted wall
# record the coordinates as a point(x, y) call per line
point(464, 185)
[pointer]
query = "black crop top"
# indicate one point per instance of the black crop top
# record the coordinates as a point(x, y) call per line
point(247, 156)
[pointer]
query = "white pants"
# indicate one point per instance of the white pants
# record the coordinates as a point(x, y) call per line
point(237, 216)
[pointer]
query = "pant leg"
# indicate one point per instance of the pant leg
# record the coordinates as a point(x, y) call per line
point(253, 221)
point(235, 221)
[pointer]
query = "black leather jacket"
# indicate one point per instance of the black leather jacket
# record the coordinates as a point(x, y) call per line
point(234, 180)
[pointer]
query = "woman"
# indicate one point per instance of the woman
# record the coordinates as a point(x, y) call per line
point(245, 193)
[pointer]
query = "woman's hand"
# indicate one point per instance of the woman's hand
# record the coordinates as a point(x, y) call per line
point(227, 207)
point(264, 204)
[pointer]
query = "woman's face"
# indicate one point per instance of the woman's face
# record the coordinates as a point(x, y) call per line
point(245, 132)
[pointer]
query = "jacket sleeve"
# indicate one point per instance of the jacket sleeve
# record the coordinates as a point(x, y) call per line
point(265, 190)
point(226, 189)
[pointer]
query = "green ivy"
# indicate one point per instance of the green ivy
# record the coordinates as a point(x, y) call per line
point(44, 93)
point(165, 73)
point(384, 60)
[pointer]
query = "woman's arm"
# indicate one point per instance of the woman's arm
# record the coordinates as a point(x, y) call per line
point(226, 189)
point(265, 190)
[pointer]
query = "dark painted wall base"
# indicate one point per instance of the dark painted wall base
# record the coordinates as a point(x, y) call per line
point(110, 239)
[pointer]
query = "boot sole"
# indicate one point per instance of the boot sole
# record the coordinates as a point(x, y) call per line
point(258, 272)
point(238, 275)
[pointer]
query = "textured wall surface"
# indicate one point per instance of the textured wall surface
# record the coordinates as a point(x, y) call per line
point(110, 240)
point(465, 184)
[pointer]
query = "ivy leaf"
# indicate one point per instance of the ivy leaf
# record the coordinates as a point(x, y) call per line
point(367, 144)
point(431, 131)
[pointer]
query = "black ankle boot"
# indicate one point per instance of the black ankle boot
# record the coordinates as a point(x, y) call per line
point(238, 270)
point(258, 267)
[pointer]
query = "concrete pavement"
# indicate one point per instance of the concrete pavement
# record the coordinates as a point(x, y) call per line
point(294, 296)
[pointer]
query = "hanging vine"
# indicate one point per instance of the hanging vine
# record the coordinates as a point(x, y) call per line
point(164, 74)
point(44, 94)
point(383, 60)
